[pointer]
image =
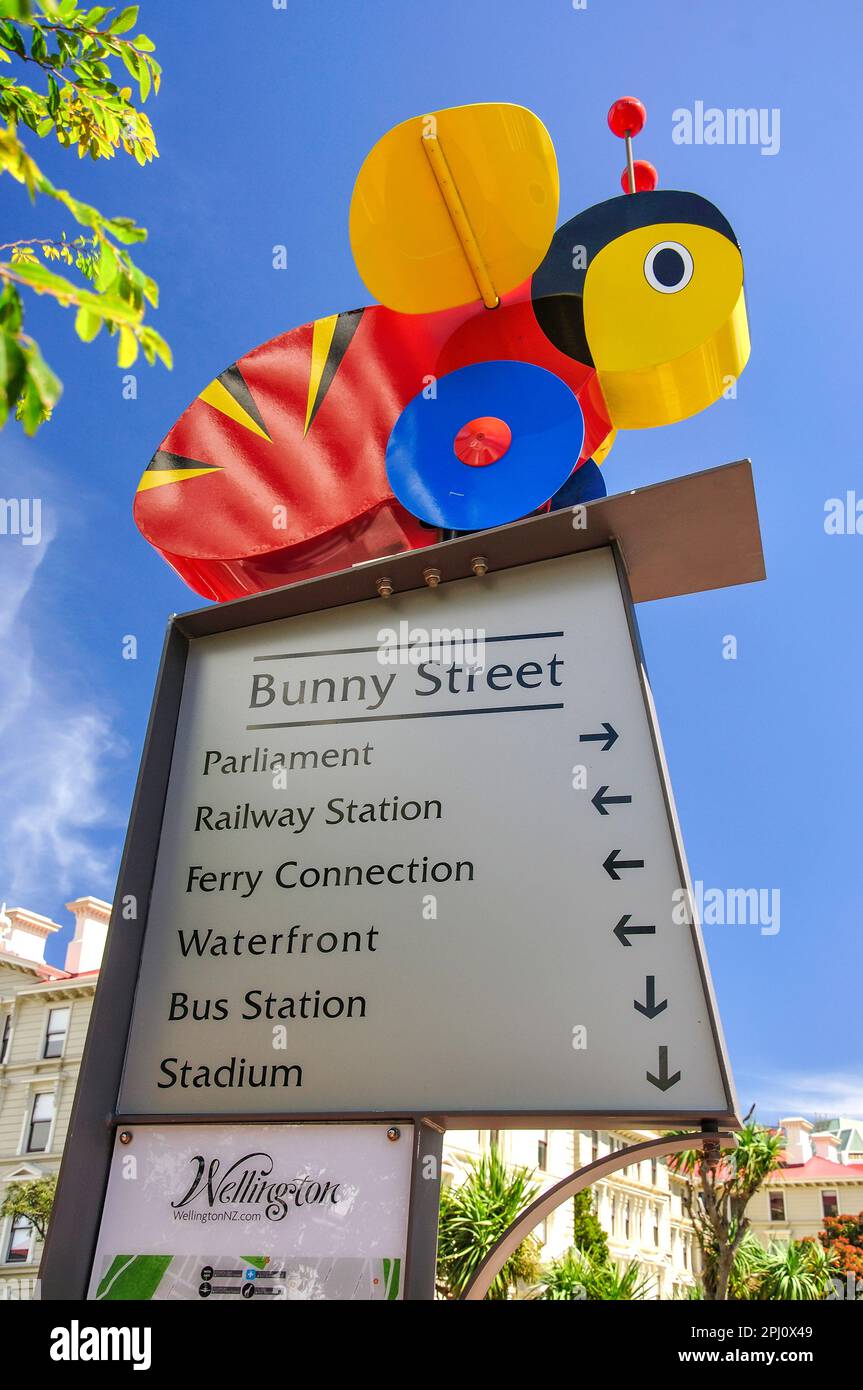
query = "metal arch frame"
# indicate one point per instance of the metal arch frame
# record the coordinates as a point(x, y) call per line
point(549, 1201)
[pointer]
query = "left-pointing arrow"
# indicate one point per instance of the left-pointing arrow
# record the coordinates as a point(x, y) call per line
point(663, 1080)
point(611, 864)
point(600, 800)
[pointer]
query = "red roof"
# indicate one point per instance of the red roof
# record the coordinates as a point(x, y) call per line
point(816, 1168)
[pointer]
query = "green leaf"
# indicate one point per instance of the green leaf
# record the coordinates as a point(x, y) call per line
point(46, 383)
point(15, 40)
point(11, 310)
point(87, 324)
point(13, 372)
point(126, 19)
point(46, 281)
point(125, 229)
point(107, 270)
point(155, 340)
point(144, 45)
point(127, 349)
point(38, 46)
point(53, 95)
point(132, 61)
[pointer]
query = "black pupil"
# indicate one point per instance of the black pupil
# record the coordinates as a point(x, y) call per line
point(668, 267)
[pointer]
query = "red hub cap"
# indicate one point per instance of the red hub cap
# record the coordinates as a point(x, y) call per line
point(482, 441)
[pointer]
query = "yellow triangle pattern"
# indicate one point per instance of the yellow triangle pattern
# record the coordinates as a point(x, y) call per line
point(322, 337)
point(157, 477)
point(221, 399)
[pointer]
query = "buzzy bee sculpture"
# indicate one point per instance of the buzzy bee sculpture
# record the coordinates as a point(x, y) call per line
point(488, 382)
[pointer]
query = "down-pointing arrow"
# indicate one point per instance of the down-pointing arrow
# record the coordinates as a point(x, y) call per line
point(600, 800)
point(610, 736)
point(663, 1080)
point(624, 932)
point(612, 864)
point(650, 1009)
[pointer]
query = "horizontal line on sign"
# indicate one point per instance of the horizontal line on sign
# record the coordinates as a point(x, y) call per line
point(405, 646)
point(422, 714)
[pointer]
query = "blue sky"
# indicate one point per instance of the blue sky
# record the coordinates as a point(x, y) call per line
point(263, 120)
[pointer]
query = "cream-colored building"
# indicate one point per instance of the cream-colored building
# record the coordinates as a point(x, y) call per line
point(44, 1016)
point(640, 1208)
point(818, 1178)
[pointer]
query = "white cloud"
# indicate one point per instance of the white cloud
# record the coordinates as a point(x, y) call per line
point(54, 756)
point(807, 1093)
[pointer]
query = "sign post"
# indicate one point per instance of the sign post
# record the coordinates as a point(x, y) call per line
point(395, 866)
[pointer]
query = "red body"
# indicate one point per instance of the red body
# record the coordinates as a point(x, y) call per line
point(294, 499)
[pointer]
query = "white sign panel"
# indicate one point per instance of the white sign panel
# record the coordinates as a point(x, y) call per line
point(388, 884)
point(261, 1212)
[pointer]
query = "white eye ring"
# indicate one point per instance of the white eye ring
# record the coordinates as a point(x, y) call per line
point(650, 273)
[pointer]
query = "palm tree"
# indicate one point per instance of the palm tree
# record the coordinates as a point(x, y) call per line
point(717, 1209)
point(748, 1269)
point(474, 1215)
point(800, 1270)
point(577, 1275)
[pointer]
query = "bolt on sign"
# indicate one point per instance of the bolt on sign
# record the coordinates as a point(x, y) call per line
point(400, 863)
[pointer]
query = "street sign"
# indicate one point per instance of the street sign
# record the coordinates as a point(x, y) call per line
point(263, 1212)
point(391, 877)
point(369, 879)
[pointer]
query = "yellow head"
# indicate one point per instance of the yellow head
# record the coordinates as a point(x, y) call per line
point(648, 289)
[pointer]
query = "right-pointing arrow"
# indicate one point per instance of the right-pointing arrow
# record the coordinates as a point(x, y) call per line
point(623, 932)
point(663, 1081)
point(611, 736)
point(612, 864)
point(650, 1009)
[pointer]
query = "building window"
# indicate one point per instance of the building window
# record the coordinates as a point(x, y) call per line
point(656, 1227)
point(58, 1027)
point(686, 1253)
point(542, 1152)
point(654, 1171)
point(594, 1146)
point(626, 1221)
point(777, 1206)
point(829, 1204)
point(20, 1240)
point(40, 1123)
point(7, 1033)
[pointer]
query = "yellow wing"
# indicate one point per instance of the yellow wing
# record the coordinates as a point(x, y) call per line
point(454, 206)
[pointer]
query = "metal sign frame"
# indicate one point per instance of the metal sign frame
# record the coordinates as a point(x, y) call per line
point(694, 533)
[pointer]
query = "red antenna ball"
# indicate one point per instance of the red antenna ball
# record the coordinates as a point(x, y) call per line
point(646, 177)
point(626, 116)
